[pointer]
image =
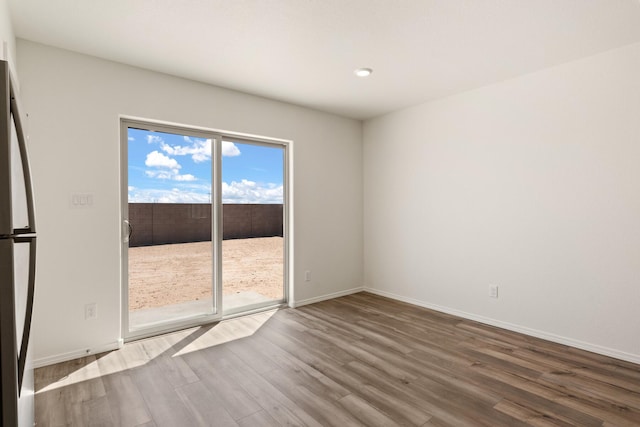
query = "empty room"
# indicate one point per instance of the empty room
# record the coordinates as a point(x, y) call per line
point(320, 213)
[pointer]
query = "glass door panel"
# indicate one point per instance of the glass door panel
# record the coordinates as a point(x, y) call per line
point(170, 245)
point(204, 226)
point(253, 249)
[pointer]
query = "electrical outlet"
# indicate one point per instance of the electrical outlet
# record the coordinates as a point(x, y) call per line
point(91, 311)
point(493, 291)
point(307, 276)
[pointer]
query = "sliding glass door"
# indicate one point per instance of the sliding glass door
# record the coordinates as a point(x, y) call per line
point(204, 226)
point(253, 254)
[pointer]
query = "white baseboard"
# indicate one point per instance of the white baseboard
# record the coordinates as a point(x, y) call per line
point(65, 357)
point(294, 304)
point(629, 357)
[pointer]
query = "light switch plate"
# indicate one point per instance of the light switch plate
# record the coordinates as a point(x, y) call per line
point(81, 200)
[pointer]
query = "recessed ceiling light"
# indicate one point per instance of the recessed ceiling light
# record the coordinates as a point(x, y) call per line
point(363, 72)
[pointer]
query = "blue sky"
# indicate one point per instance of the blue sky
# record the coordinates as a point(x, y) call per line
point(169, 168)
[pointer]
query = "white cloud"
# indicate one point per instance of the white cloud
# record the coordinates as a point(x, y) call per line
point(131, 188)
point(185, 177)
point(173, 174)
point(168, 196)
point(166, 168)
point(159, 160)
point(247, 191)
point(160, 174)
point(198, 149)
point(244, 191)
point(131, 138)
point(229, 149)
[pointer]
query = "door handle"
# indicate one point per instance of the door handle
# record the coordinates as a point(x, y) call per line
point(129, 231)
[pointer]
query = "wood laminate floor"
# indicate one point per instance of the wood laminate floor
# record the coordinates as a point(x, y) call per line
point(351, 361)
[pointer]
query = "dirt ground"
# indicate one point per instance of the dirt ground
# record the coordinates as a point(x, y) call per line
point(170, 274)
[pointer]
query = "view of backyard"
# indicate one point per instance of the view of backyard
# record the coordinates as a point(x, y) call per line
point(170, 274)
point(171, 219)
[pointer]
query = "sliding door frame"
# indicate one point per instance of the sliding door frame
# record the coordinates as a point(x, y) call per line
point(217, 137)
point(283, 145)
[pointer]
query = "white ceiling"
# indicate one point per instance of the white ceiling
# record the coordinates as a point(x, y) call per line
point(305, 51)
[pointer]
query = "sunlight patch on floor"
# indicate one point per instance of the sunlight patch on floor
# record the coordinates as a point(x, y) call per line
point(229, 330)
point(139, 353)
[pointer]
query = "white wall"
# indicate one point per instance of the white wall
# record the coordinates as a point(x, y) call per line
point(532, 184)
point(6, 35)
point(74, 102)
